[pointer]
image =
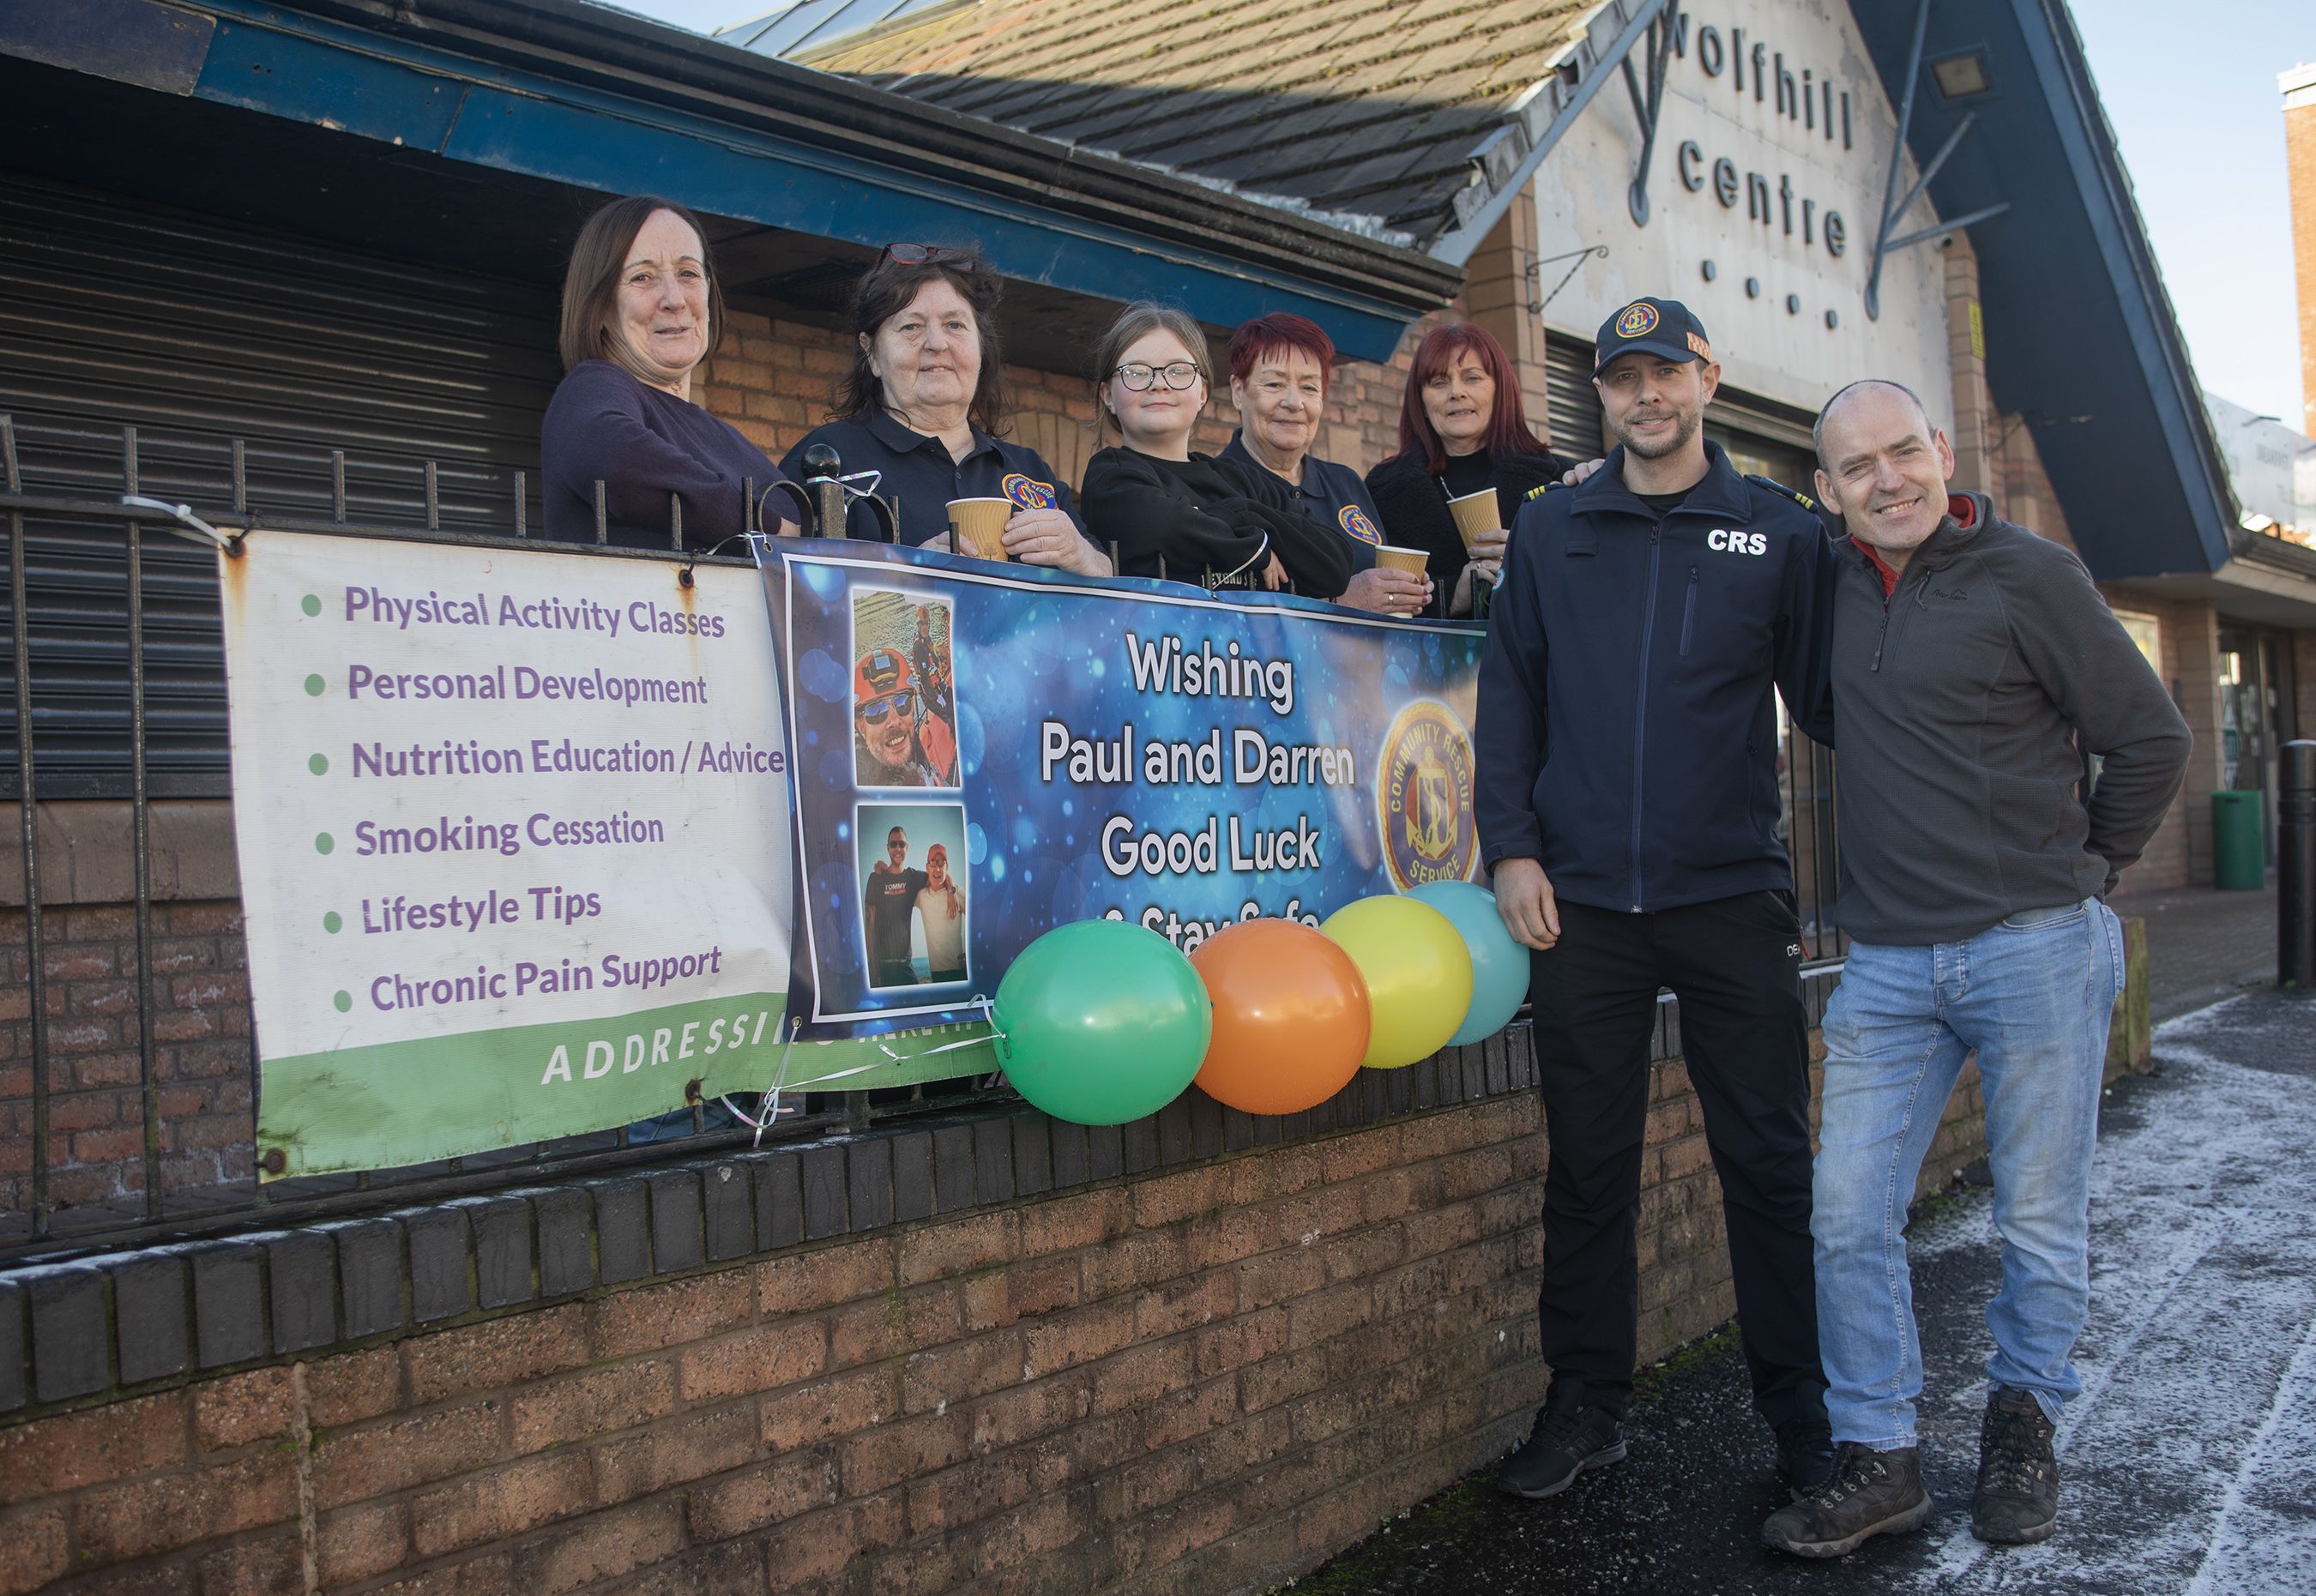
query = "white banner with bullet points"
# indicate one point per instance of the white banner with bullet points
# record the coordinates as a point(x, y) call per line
point(514, 831)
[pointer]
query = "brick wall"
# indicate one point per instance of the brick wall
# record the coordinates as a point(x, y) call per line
point(775, 381)
point(1200, 1380)
point(1973, 409)
point(201, 1054)
point(1203, 1378)
point(1203, 1381)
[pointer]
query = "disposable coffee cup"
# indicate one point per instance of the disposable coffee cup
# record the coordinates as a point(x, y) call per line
point(1412, 561)
point(1475, 513)
point(980, 526)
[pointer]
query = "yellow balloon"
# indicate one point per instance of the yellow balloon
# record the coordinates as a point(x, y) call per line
point(1418, 970)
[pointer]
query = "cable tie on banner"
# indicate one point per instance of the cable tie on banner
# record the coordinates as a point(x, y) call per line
point(768, 1108)
point(190, 526)
point(988, 1017)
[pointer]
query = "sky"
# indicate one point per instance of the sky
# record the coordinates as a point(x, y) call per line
point(2191, 92)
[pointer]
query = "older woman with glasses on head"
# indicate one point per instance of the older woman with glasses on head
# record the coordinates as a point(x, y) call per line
point(1278, 368)
point(1462, 430)
point(923, 403)
point(1187, 516)
point(641, 310)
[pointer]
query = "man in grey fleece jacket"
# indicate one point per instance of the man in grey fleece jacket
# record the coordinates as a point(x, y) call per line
point(1969, 657)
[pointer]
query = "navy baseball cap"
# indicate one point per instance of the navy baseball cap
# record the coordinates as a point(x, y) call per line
point(1663, 327)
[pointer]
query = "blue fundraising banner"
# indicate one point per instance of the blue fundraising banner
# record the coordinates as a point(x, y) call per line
point(982, 753)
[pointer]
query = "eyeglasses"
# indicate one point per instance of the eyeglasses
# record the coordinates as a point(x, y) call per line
point(1138, 377)
point(930, 255)
point(875, 711)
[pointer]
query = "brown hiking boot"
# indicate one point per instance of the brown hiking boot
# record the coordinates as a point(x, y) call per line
point(2016, 1501)
point(1870, 1494)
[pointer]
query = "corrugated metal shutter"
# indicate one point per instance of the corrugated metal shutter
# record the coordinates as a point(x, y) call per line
point(195, 333)
point(1575, 402)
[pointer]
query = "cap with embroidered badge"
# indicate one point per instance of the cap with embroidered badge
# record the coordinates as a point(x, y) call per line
point(1663, 327)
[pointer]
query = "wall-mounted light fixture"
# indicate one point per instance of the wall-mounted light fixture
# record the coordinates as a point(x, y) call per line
point(1959, 78)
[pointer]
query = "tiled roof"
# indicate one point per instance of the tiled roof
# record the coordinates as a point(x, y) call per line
point(1370, 112)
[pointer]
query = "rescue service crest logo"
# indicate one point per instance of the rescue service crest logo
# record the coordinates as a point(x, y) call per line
point(1354, 521)
point(1636, 320)
point(1029, 493)
point(1423, 798)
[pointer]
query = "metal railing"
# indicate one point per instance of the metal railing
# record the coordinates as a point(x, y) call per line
point(84, 513)
point(76, 508)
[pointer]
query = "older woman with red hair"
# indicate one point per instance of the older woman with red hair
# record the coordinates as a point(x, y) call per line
point(1278, 369)
point(1462, 428)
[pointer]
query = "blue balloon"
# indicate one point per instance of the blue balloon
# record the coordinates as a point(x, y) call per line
point(1500, 967)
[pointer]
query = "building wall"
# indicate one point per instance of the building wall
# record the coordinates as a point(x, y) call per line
point(2299, 86)
point(1775, 276)
point(1206, 1380)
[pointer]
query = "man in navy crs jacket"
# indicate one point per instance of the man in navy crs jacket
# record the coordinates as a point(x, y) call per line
point(1627, 801)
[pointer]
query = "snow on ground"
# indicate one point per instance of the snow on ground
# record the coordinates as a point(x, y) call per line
point(2189, 1463)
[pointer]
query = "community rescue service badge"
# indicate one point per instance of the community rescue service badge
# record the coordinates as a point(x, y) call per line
point(1423, 798)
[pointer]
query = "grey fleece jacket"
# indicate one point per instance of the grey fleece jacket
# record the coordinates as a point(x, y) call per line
point(1955, 708)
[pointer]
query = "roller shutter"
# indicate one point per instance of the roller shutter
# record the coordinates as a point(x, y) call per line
point(195, 333)
point(1576, 404)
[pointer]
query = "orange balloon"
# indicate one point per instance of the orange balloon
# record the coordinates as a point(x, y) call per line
point(1290, 1017)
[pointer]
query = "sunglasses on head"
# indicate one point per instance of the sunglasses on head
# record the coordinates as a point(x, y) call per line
point(876, 710)
point(930, 254)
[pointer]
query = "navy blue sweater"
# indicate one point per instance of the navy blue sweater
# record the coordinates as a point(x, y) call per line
point(1627, 739)
point(648, 447)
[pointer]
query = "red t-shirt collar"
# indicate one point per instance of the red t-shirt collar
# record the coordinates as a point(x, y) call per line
point(1960, 505)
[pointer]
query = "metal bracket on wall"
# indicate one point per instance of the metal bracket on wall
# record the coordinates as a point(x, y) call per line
point(1536, 273)
point(1894, 207)
point(1663, 33)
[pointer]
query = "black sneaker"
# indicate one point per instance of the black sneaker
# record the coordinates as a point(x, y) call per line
point(1870, 1494)
point(1568, 1437)
point(2016, 1501)
point(1805, 1454)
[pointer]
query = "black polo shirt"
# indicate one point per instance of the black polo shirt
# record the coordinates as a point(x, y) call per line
point(1328, 493)
point(917, 469)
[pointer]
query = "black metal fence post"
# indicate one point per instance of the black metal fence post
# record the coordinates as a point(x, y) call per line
point(2296, 866)
point(141, 838)
point(36, 951)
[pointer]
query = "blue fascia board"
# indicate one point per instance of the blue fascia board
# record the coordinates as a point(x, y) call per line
point(396, 91)
point(2078, 322)
point(2145, 309)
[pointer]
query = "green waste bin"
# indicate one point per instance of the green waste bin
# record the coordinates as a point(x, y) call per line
point(2239, 855)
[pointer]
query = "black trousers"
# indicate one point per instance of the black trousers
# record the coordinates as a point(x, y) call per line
point(1735, 966)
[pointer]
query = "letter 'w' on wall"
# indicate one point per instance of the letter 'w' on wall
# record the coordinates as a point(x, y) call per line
point(985, 753)
point(513, 836)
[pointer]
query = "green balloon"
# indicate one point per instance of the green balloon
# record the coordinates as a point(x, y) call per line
point(1100, 1022)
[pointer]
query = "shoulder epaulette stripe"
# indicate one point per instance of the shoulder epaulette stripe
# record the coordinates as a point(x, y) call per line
point(1775, 486)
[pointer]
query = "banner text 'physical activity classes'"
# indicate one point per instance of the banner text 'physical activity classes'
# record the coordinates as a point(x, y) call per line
point(983, 754)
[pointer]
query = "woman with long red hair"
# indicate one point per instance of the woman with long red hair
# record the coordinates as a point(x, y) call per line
point(1462, 428)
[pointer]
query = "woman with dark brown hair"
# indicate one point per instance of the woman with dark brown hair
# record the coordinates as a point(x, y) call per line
point(1187, 516)
point(1462, 430)
point(641, 310)
point(923, 402)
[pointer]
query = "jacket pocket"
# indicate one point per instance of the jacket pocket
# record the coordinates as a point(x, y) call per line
point(1689, 615)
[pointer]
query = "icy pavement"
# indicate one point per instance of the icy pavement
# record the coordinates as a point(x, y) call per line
point(2189, 1463)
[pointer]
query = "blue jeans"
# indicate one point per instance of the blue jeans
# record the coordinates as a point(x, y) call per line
point(2032, 996)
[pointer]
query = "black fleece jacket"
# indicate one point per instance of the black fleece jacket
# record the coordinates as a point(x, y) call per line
point(1957, 707)
point(1627, 735)
point(1205, 514)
